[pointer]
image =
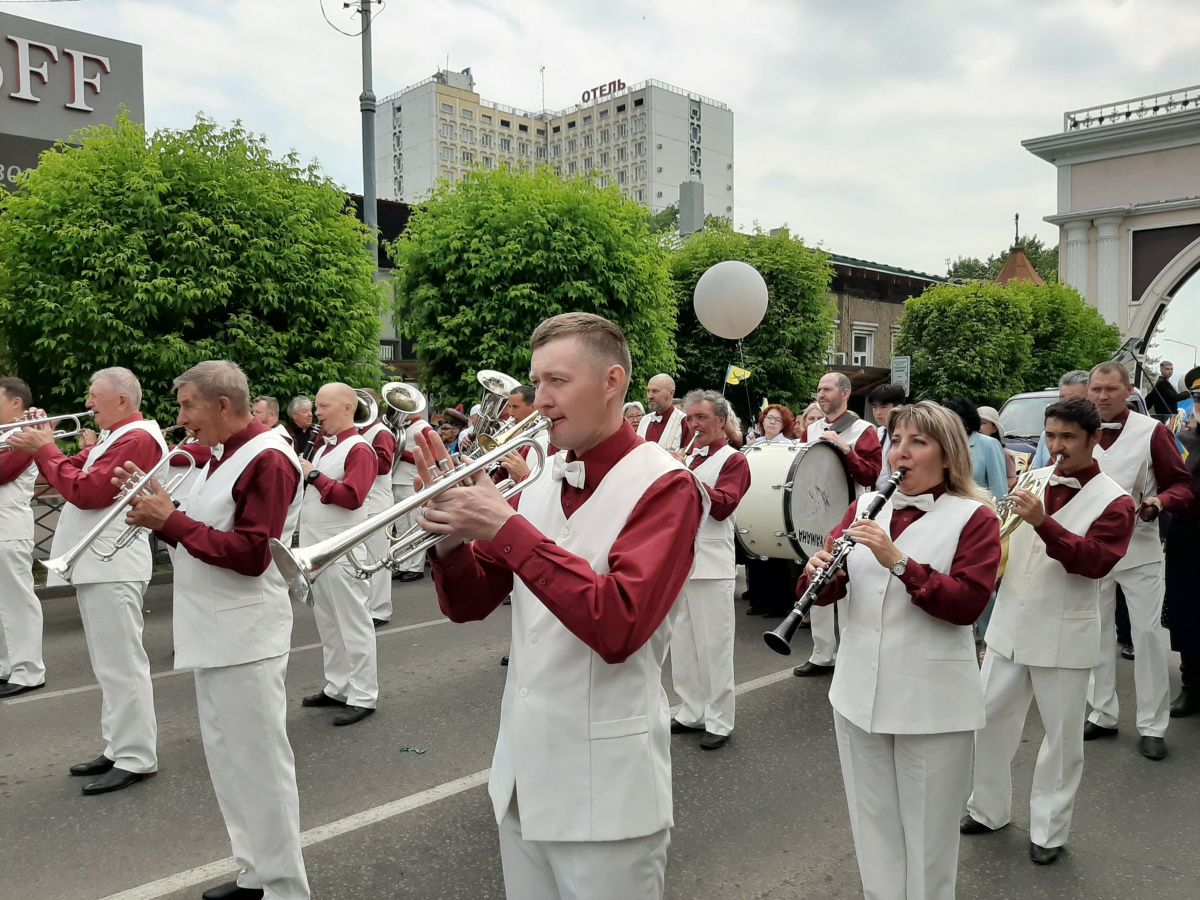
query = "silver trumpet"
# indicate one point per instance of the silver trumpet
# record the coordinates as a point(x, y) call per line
point(303, 566)
point(63, 565)
point(60, 434)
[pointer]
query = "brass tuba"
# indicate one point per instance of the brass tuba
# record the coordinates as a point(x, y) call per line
point(1035, 482)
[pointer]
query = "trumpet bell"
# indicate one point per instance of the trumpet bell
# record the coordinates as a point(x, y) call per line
point(367, 410)
point(497, 382)
point(403, 398)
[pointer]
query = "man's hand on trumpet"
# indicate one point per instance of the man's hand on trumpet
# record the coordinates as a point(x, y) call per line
point(473, 510)
point(36, 436)
point(1028, 506)
point(152, 506)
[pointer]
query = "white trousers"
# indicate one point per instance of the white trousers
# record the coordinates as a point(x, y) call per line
point(112, 624)
point(347, 637)
point(632, 869)
point(824, 637)
point(702, 654)
point(243, 713)
point(379, 593)
point(1060, 693)
point(416, 562)
point(20, 616)
point(1143, 589)
point(905, 793)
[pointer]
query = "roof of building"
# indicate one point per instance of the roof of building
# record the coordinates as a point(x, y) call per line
point(851, 263)
point(1018, 268)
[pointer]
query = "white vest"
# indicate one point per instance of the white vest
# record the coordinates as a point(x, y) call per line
point(900, 670)
point(672, 433)
point(585, 743)
point(714, 551)
point(134, 563)
point(223, 618)
point(320, 520)
point(1044, 616)
point(1128, 463)
point(404, 472)
point(16, 510)
point(380, 496)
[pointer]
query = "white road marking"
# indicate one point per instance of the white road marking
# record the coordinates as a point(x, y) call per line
point(223, 867)
point(171, 673)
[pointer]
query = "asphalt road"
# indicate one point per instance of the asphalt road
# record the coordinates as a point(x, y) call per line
point(765, 817)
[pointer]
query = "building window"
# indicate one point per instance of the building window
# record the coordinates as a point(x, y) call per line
point(895, 337)
point(571, 167)
point(638, 101)
point(863, 348)
point(524, 128)
point(620, 107)
point(506, 144)
point(540, 152)
point(485, 140)
point(557, 151)
point(557, 129)
point(620, 154)
point(604, 114)
point(604, 135)
point(640, 195)
point(587, 164)
point(587, 120)
point(468, 157)
point(587, 140)
point(622, 130)
point(466, 113)
point(448, 108)
point(447, 154)
point(622, 176)
point(639, 172)
point(572, 144)
point(604, 158)
point(448, 130)
point(570, 125)
point(485, 118)
point(639, 148)
point(523, 148)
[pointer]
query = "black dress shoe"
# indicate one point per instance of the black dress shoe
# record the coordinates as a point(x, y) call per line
point(231, 890)
point(352, 714)
point(1092, 731)
point(8, 689)
point(712, 741)
point(754, 611)
point(678, 727)
point(1043, 856)
point(1186, 703)
point(97, 766)
point(321, 699)
point(379, 623)
point(811, 670)
point(114, 779)
point(1127, 651)
point(504, 660)
point(971, 825)
point(407, 577)
point(1153, 747)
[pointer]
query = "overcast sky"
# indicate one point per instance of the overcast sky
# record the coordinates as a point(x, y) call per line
point(875, 128)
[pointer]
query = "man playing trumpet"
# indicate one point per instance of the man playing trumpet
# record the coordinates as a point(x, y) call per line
point(594, 557)
point(109, 592)
point(233, 621)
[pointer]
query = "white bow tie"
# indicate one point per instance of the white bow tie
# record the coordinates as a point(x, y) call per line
point(573, 472)
point(923, 502)
point(1111, 426)
point(1067, 482)
point(218, 451)
point(703, 451)
point(330, 439)
point(104, 435)
point(655, 419)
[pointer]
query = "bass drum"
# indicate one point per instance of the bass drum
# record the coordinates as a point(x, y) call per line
point(798, 493)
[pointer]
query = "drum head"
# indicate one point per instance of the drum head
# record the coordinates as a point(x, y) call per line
point(821, 492)
point(759, 518)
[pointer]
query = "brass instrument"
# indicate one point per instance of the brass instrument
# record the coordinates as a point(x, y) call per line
point(403, 402)
point(28, 422)
point(63, 565)
point(367, 410)
point(496, 388)
point(687, 451)
point(301, 567)
point(1035, 482)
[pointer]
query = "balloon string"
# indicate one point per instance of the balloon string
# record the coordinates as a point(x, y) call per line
point(745, 384)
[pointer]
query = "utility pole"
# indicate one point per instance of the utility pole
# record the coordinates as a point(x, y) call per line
point(366, 102)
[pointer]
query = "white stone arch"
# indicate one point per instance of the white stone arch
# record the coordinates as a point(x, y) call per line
point(1161, 291)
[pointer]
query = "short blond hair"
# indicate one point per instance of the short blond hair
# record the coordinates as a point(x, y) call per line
point(603, 338)
point(942, 425)
point(1111, 368)
point(217, 378)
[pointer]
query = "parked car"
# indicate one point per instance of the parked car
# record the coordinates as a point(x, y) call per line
point(1024, 415)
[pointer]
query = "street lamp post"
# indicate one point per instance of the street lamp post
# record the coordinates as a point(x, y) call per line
point(366, 102)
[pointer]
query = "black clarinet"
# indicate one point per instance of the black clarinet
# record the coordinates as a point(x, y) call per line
point(310, 446)
point(780, 639)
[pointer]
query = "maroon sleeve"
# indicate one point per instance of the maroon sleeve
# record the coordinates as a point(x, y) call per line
point(1176, 487)
point(731, 486)
point(262, 495)
point(865, 459)
point(12, 464)
point(384, 445)
point(94, 490)
point(1094, 554)
point(614, 614)
point(351, 492)
point(198, 452)
point(960, 595)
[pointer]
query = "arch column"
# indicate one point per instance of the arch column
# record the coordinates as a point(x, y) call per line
point(1108, 254)
point(1075, 269)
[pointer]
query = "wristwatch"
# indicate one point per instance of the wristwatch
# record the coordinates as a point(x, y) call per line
point(311, 476)
point(899, 567)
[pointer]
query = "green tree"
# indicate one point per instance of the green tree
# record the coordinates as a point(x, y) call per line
point(786, 353)
point(1067, 333)
point(967, 340)
point(1043, 258)
point(480, 265)
point(156, 253)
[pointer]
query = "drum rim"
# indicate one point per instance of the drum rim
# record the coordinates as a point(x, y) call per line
point(788, 523)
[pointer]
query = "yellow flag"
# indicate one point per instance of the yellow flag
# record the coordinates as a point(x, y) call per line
point(736, 374)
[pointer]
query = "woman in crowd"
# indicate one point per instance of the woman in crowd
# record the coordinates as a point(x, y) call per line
point(987, 456)
point(990, 427)
point(775, 424)
point(768, 582)
point(633, 412)
point(812, 413)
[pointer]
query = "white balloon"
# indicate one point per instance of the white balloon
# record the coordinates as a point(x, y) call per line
point(730, 299)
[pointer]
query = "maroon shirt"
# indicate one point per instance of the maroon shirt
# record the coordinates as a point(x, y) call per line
point(351, 492)
point(1095, 553)
point(1176, 488)
point(384, 445)
point(94, 489)
point(430, 434)
point(12, 464)
point(957, 596)
point(865, 459)
point(261, 498)
point(197, 451)
point(614, 614)
point(731, 485)
point(655, 430)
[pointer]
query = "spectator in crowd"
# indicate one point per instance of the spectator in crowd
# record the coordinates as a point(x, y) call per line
point(1163, 399)
point(1072, 384)
point(453, 423)
point(883, 400)
point(300, 421)
point(987, 456)
point(633, 412)
point(990, 427)
point(775, 424)
point(812, 413)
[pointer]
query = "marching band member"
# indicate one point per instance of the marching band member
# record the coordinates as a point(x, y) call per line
point(300, 422)
point(1180, 612)
point(233, 622)
point(109, 593)
point(519, 408)
point(21, 666)
point(906, 696)
point(1044, 635)
point(266, 411)
point(405, 470)
point(883, 400)
point(665, 424)
point(338, 481)
point(702, 635)
point(856, 440)
point(594, 556)
point(1140, 455)
point(379, 498)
